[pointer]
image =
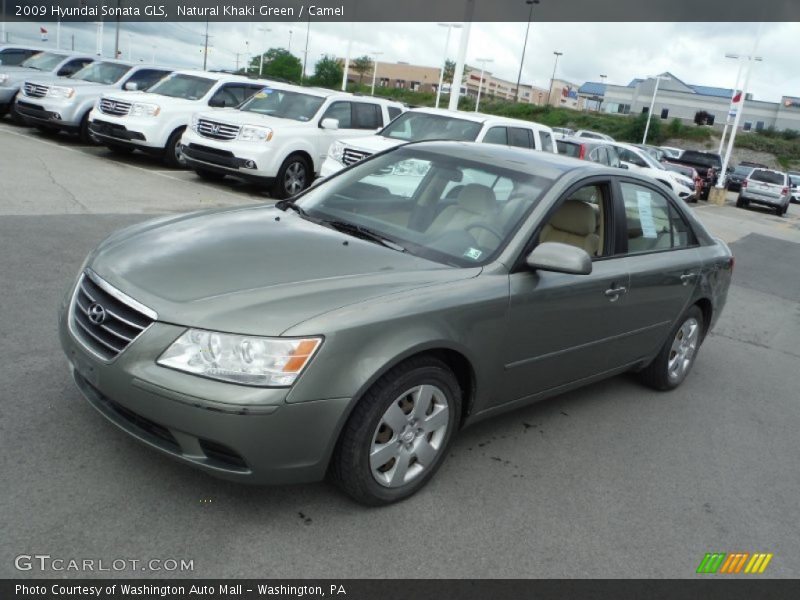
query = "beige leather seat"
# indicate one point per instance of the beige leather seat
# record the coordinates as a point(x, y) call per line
point(476, 203)
point(574, 223)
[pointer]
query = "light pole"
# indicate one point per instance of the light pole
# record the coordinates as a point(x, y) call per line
point(525, 44)
point(305, 52)
point(374, 56)
point(733, 95)
point(290, 42)
point(450, 27)
point(458, 74)
point(659, 78)
point(483, 62)
point(261, 60)
point(603, 83)
point(553, 78)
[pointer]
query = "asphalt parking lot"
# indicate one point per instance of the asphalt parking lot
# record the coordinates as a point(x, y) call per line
point(613, 480)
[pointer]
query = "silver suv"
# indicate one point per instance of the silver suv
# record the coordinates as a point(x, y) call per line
point(767, 188)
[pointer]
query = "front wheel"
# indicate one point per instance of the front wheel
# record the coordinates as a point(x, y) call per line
point(84, 133)
point(677, 356)
point(293, 177)
point(173, 155)
point(398, 434)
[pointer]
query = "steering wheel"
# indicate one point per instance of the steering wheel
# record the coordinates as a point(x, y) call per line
point(488, 228)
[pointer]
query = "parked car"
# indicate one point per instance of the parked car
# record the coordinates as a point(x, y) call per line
point(734, 179)
point(12, 55)
point(438, 124)
point(595, 135)
point(598, 151)
point(703, 163)
point(280, 136)
point(636, 159)
point(794, 179)
point(58, 103)
point(654, 151)
point(671, 151)
point(154, 121)
point(767, 188)
point(43, 63)
point(689, 172)
point(353, 331)
point(563, 132)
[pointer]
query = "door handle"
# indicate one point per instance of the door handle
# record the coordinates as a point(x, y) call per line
point(687, 277)
point(614, 293)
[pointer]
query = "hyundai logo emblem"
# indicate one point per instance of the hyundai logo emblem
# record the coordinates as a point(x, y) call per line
point(96, 313)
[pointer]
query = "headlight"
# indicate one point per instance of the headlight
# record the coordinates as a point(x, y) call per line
point(144, 109)
point(336, 151)
point(3, 77)
point(686, 181)
point(253, 133)
point(193, 123)
point(248, 360)
point(58, 91)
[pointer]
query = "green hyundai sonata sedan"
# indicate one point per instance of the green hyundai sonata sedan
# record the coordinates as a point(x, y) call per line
point(352, 331)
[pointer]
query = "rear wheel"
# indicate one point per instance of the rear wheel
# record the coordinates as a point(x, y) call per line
point(173, 155)
point(398, 434)
point(781, 210)
point(293, 177)
point(209, 175)
point(678, 354)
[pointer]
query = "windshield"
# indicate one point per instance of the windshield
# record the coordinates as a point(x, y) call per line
point(433, 205)
point(190, 87)
point(102, 72)
point(418, 126)
point(44, 61)
point(651, 162)
point(284, 104)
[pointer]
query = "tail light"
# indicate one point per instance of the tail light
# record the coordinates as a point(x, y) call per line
point(784, 191)
point(744, 183)
point(582, 154)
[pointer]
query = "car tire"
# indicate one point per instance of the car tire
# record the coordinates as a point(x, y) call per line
point(385, 424)
point(781, 210)
point(676, 358)
point(14, 113)
point(739, 203)
point(173, 157)
point(293, 177)
point(207, 175)
point(84, 133)
point(119, 149)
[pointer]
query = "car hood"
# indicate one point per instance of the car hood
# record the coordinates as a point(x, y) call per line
point(161, 100)
point(371, 143)
point(20, 73)
point(66, 81)
point(254, 270)
point(235, 116)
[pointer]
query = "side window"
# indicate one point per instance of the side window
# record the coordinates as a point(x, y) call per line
point(613, 156)
point(522, 138)
point(73, 66)
point(366, 116)
point(340, 111)
point(547, 141)
point(145, 78)
point(594, 155)
point(394, 112)
point(652, 223)
point(580, 220)
point(496, 135)
point(630, 157)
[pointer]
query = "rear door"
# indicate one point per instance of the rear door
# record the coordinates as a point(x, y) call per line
point(661, 255)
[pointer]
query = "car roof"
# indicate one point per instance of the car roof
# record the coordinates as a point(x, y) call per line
point(218, 76)
point(585, 141)
point(477, 117)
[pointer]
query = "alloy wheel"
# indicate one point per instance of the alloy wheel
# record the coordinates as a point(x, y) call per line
point(409, 436)
point(294, 180)
point(683, 349)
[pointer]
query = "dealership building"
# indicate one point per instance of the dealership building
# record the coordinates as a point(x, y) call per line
point(678, 100)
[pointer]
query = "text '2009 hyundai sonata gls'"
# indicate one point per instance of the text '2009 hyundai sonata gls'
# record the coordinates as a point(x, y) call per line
point(351, 332)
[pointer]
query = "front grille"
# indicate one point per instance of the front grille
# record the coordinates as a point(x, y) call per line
point(351, 156)
point(114, 107)
point(217, 131)
point(33, 90)
point(104, 322)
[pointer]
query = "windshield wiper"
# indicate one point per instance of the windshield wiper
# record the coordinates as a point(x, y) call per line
point(288, 203)
point(365, 233)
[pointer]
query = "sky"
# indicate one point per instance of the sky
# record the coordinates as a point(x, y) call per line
point(693, 52)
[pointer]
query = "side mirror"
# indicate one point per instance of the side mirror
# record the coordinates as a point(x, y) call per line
point(332, 124)
point(131, 86)
point(623, 165)
point(559, 258)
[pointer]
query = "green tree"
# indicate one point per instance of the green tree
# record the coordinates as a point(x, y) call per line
point(449, 70)
point(328, 72)
point(279, 64)
point(362, 65)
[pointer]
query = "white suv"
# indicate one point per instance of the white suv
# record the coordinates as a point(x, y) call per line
point(438, 124)
point(154, 121)
point(281, 135)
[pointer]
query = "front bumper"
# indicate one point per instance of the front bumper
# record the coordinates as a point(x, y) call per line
point(329, 167)
point(141, 132)
point(57, 112)
point(249, 160)
point(235, 432)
